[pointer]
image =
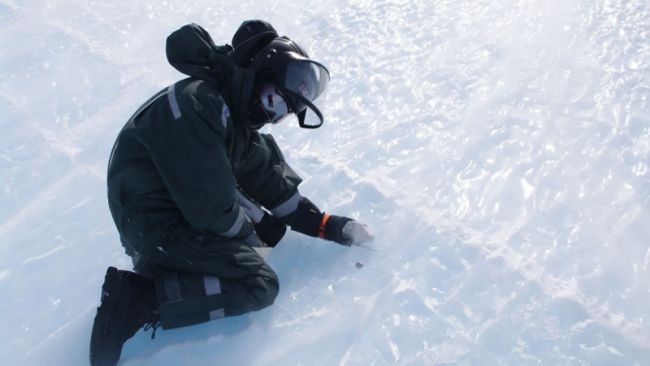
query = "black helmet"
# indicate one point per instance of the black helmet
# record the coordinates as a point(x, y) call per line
point(283, 63)
point(299, 79)
point(250, 38)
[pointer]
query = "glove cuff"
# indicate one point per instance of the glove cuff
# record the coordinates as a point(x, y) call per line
point(323, 224)
point(333, 229)
point(307, 218)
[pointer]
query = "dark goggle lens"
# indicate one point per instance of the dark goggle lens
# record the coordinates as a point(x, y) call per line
point(306, 81)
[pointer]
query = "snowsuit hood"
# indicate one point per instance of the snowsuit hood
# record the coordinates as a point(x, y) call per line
point(192, 51)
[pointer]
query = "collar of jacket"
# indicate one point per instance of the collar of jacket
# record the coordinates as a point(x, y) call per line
point(240, 88)
point(235, 84)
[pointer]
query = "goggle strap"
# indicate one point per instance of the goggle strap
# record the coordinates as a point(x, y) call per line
point(301, 116)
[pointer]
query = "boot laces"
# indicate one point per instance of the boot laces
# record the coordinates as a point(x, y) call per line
point(154, 324)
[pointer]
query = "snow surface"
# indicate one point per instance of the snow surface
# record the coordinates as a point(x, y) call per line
point(498, 148)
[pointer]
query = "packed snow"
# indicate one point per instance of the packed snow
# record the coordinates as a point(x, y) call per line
point(499, 149)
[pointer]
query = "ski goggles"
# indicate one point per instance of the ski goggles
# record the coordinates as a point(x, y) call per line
point(304, 82)
point(301, 84)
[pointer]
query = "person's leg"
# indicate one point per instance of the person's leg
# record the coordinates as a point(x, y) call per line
point(181, 283)
point(197, 281)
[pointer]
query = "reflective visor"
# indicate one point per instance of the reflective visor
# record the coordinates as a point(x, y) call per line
point(273, 104)
point(306, 81)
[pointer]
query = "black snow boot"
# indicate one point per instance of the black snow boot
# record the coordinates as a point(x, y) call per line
point(128, 303)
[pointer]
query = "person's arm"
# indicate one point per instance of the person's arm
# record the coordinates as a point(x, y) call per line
point(191, 156)
point(269, 228)
point(269, 180)
point(309, 220)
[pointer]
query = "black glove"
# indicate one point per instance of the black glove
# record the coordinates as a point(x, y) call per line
point(309, 220)
point(344, 230)
point(270, 229)
point(306, 218)
point(333, 229)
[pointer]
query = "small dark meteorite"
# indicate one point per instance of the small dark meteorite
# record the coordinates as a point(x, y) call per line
point(358, 265)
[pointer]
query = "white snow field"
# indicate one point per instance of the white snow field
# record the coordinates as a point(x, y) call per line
point(500, 150)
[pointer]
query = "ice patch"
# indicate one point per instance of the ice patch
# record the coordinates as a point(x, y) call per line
point(528, 188)
point(4, 274)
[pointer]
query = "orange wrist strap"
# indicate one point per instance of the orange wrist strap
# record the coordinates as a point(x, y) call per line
point(323, 222)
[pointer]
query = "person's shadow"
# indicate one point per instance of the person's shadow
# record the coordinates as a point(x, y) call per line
point(142, 347)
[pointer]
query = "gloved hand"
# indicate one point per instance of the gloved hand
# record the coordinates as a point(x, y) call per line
point(344, 230)
point(270, 229)
point(309, 220)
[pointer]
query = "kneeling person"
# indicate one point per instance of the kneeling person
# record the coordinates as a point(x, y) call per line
point(193, 186)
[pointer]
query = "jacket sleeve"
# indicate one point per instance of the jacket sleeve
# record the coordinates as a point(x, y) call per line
point(267, 177)
point(191, 157)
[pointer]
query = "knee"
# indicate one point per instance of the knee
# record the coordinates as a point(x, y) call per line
point(265, 292)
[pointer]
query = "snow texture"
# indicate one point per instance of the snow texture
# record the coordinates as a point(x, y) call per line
point(498, 148)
